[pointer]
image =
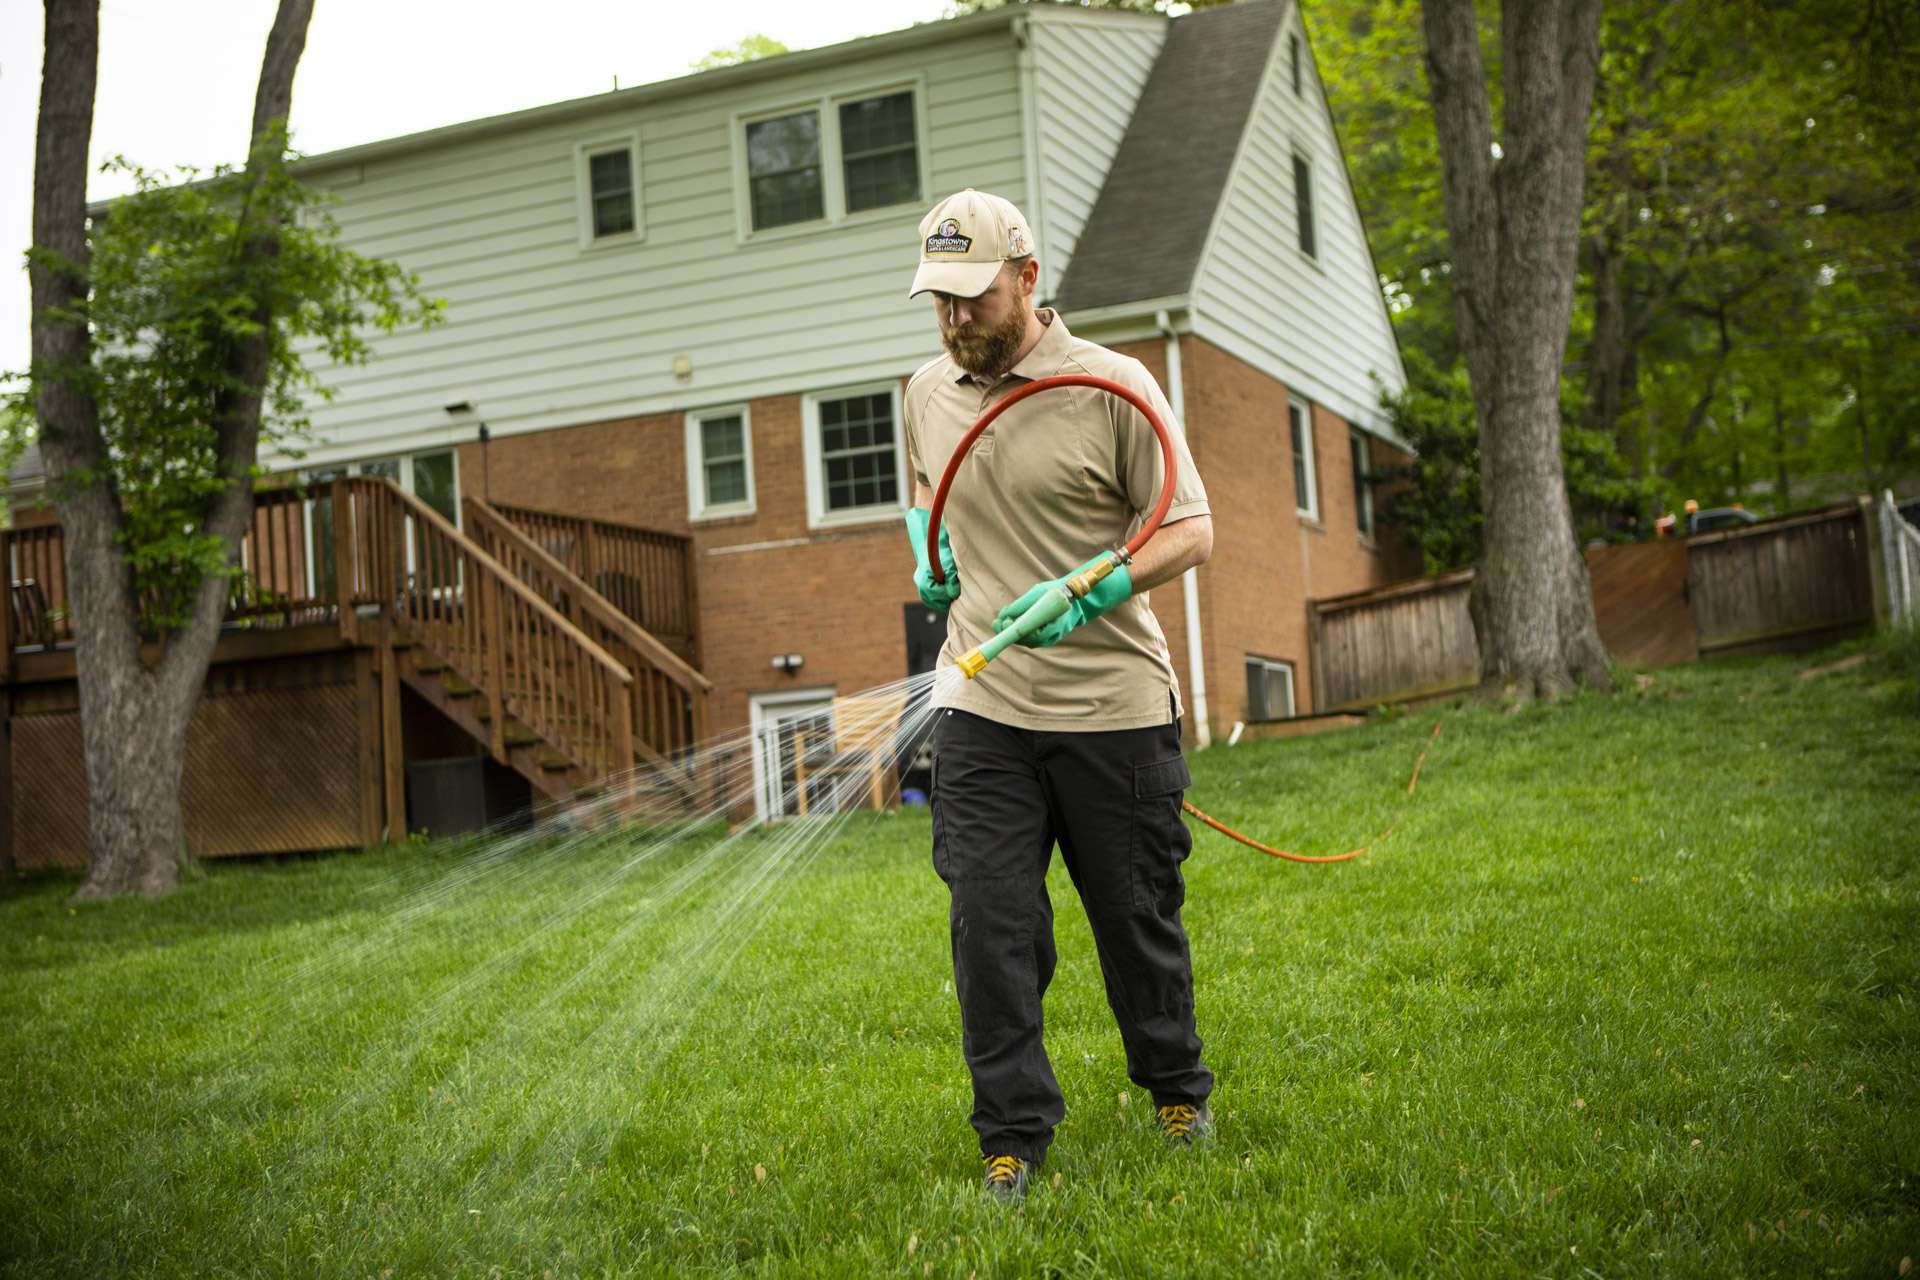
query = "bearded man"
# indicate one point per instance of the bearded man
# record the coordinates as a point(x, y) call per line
point(1075, 738)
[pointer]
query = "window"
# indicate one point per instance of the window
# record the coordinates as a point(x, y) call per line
point(783, 170)
point(1303, 202)
point(878, 153)
point(1293, 56)
point(1269, 689)
point(719, 463)
point(607, 172)
point(818, 163)
point(1300, 428)
point(1362, 483)
point(430, 477)
point(855, 455)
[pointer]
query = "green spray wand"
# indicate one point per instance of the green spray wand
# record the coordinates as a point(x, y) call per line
point(1055, 602)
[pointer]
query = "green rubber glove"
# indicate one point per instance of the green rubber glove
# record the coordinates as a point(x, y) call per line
point(1106, 594)
point(935, 595)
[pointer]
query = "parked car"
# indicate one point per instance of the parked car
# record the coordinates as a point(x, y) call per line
point(1719, 518)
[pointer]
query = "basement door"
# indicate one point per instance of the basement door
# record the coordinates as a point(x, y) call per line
point(792, 736)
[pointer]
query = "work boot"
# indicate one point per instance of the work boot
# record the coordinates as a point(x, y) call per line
point(1006, 1178)
point(1186, 1125)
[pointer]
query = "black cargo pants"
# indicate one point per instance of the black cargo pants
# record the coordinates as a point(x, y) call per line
point(1001, 798)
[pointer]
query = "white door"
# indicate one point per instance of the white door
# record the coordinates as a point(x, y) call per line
point(792, 737)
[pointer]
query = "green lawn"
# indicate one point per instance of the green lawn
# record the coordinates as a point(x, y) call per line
point(1630, 990)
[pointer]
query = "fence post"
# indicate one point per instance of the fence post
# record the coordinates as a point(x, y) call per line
point(6, 610)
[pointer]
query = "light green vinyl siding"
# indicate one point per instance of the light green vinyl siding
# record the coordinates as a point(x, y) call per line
point(1088, 73)
point(1316, 323)
point(540, 332)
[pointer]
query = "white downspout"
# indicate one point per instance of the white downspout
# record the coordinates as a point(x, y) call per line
point(1190, 580)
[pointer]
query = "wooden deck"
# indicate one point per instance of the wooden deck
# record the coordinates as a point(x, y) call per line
point(348, 595)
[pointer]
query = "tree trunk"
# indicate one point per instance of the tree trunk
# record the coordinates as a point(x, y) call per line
point(1514, 225)
point(133, 718)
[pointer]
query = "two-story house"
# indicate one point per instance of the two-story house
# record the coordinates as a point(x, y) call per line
point(681, 308)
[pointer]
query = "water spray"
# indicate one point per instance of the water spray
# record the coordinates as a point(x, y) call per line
point(1056, 602)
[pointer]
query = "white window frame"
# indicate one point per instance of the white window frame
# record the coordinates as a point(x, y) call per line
point(833, 177)
point(1303, 449)
point(1277, 664)
point(770, 710)
point(818, 517)
point(1359, 450)
point(583, 154)
point(698, 508)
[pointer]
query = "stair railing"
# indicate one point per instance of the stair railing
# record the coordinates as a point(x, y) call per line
point(670, 698)
point(442, 591)
point(645, 573)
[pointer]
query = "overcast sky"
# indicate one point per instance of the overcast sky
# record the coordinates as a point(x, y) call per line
point(177, 76)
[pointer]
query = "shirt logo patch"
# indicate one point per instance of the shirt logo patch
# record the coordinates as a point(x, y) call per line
point(947, 239)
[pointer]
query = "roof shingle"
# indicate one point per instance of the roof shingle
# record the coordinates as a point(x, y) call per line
point(1149, 225)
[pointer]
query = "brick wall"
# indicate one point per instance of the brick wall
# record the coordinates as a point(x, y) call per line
point(834, 597)
point(767, 584)
point(1268, 560)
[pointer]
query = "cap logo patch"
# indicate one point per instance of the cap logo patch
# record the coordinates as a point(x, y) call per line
point(1016, 242)
point(947, 238)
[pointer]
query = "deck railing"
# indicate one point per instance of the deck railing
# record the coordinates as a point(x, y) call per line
point(669, 697)
point(441, 590)
point(646, 574)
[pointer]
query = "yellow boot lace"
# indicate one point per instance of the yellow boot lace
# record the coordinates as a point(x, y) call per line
point(1004, 1168)
point(1177, 1120)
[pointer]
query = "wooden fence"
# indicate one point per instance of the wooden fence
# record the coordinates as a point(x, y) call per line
point(1792, 582)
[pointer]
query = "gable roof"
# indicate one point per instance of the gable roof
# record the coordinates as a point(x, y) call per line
point(1148, 229)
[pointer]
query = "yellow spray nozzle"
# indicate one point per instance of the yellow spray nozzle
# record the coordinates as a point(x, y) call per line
point(973, 663)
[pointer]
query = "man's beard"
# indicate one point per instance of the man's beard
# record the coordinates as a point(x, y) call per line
point(987, 352)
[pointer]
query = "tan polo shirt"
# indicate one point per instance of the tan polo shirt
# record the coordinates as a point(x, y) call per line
point(1053, 482)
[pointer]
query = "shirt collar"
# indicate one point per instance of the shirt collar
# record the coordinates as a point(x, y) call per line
point(1044, 360)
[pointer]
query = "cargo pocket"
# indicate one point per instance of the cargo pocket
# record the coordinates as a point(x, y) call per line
point(1161, 841)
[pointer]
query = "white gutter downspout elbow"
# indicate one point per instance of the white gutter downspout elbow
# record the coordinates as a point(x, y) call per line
point(1190, 580)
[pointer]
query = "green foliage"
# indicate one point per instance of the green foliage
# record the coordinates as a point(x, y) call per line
point(1749, 172)
point(1624, 993)
point(173, 294)
point(751, 49)
point(1438, 509)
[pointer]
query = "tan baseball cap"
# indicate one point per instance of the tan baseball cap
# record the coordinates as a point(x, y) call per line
point(963, 241)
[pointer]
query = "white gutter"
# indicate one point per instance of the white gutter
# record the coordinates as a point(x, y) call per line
point(1036, 209)
point(1190, 580)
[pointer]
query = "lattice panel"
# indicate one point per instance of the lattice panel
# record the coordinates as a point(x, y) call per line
point(270, 771)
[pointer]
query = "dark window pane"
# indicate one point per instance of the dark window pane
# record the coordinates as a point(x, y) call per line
point(1302, 492)
point(433, 482)
point(879, 152)
point(1303, 203)
point(612, 173)
point(1362, 490)
point(784, 144)
point(856, 449)
point(612, 215)
point(726, 481)
point(721, 438)
point(783, 167)
point(1293, 54)
point(787, 198)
